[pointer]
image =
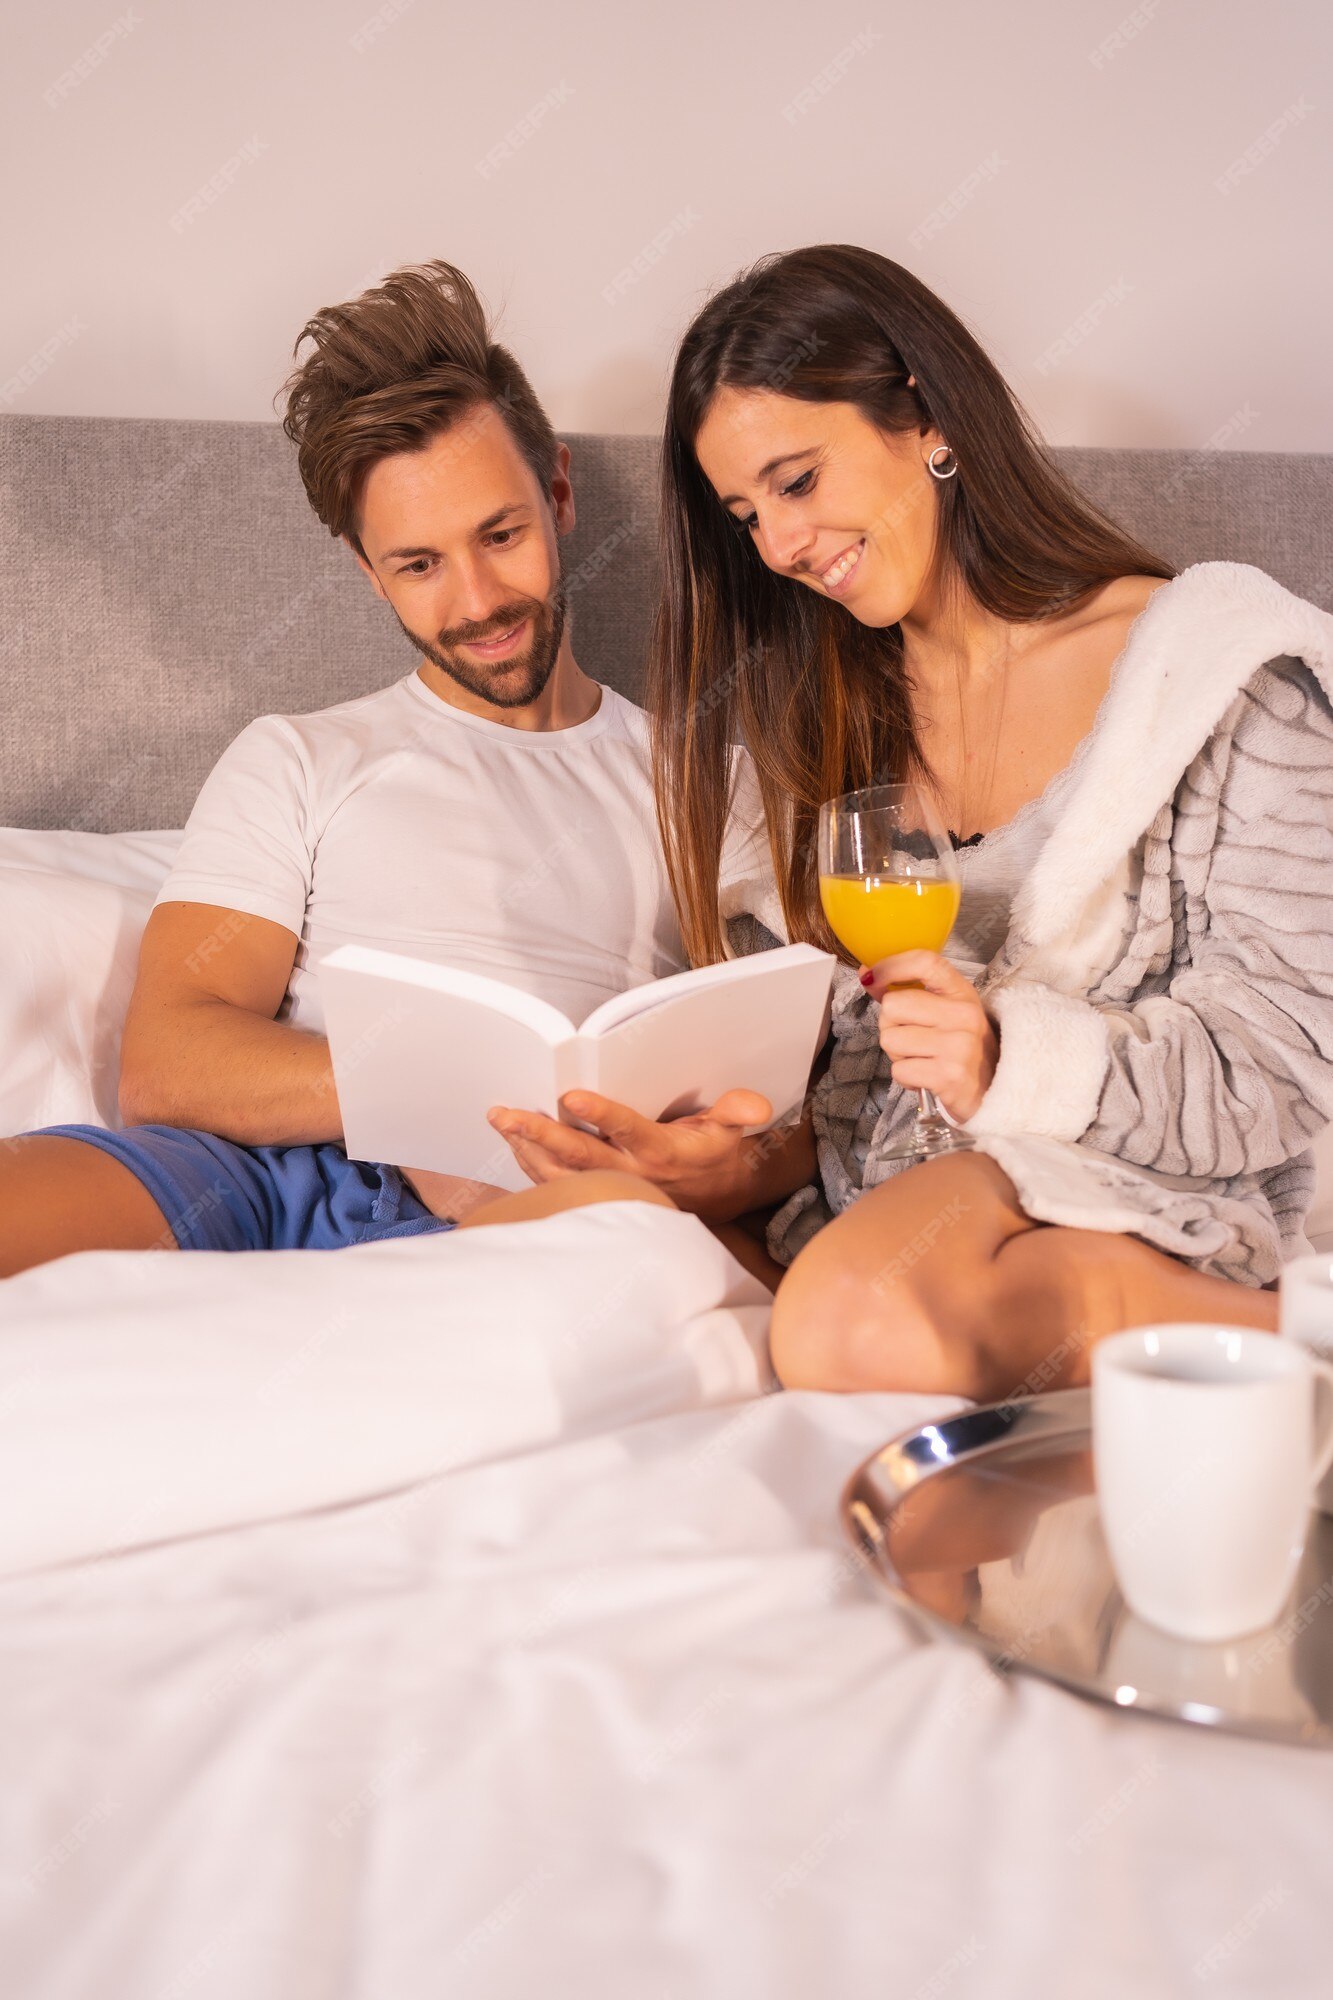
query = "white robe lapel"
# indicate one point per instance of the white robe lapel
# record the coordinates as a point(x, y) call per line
point(1187, 656)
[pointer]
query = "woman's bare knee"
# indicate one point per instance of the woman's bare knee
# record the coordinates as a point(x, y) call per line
point(896, 1292)
point(842, 1329)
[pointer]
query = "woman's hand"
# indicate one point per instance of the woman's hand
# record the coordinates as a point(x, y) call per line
point(937, 1034)
point(703, 1162)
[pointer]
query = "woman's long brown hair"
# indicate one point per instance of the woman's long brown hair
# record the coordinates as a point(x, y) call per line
point(738, 653)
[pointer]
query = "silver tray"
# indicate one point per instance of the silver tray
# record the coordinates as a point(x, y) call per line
point(985, 1525)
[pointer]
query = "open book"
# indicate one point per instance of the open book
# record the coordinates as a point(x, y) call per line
point(421, 1052)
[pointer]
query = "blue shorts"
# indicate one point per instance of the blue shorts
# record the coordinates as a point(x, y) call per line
point(217, 1195)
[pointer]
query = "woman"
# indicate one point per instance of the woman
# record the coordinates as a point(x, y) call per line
point(873, 572)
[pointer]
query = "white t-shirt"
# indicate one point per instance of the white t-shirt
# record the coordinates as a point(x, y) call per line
point(399, 821)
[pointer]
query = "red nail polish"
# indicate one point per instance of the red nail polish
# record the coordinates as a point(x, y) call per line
point(866, 978)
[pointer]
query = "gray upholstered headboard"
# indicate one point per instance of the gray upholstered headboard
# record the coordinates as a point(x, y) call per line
point(163, 582)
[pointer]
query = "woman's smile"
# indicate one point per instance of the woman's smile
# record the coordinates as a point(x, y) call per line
point(843, 567)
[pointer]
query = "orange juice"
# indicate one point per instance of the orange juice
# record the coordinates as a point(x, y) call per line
point(878, 916)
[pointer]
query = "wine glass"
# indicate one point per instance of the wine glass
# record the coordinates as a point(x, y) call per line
point(889, 882)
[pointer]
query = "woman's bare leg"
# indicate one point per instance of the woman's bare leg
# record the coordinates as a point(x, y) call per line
point(62, 1195)
point(570, 1191)
point(937, 1281)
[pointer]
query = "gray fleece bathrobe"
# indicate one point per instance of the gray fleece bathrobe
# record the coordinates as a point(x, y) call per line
point(1164, 996)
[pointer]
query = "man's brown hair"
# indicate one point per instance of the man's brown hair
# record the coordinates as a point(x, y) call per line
point(389, 371)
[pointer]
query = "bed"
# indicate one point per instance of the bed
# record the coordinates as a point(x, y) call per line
point(470, 1615)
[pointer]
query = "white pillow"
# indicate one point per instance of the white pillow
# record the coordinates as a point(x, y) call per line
point(72, 911)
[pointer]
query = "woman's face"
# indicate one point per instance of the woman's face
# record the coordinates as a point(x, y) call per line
point(829, 501)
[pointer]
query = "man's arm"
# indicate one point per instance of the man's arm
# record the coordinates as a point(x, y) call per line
point(201, 1046)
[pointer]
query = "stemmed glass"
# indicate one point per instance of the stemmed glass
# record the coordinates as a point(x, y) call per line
point(889, 882)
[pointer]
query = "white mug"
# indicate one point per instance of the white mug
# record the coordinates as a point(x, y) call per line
point(1305, 1314)
point(1203, 1447)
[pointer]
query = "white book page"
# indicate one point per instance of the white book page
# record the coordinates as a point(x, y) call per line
point(420, 1053)
point(758, 1032)
point(399, 970)
point(662, 992)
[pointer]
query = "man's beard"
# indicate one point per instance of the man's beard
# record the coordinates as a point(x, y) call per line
point(517, 681)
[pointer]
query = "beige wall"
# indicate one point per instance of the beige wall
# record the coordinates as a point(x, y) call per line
point(1128, 204)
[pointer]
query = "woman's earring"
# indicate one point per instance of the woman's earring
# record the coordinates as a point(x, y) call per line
point(949, 469)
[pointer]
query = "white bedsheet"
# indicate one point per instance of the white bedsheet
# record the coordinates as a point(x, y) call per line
point(606, 1708)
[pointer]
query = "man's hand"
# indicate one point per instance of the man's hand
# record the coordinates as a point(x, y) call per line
point(935, 1031)
point(703, 1161)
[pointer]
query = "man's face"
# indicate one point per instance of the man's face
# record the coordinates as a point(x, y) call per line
point(463, 546)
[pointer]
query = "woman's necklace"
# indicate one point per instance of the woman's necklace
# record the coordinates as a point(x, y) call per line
point(980, 705)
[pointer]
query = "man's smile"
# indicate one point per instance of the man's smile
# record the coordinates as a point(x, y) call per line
point(502, 644)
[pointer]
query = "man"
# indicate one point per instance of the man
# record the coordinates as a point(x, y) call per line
point(492, 809)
